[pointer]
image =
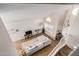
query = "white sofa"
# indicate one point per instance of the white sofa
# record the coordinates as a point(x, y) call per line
point(35, 44)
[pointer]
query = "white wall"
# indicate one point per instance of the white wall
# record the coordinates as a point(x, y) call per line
point(19, 21)
point(75, 26)
point(74, 22)
point(22, 26)
point(6, 46)
point(74, 29)
point(57, 20)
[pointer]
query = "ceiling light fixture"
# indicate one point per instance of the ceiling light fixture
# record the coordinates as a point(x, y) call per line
point(75, 11)
point(48, 19)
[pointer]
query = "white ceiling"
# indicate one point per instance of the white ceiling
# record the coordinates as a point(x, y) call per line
point(11, 7)
point(30, 11)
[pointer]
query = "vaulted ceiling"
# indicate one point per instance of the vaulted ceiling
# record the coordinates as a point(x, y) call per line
point(30, 11)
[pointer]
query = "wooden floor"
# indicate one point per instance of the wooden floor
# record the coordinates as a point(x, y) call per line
point(64, 51)
point(44, 51)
